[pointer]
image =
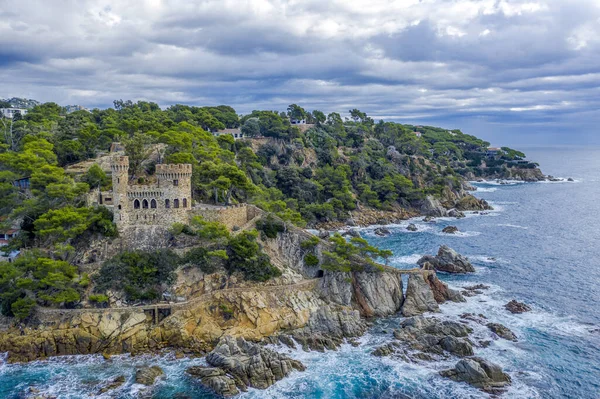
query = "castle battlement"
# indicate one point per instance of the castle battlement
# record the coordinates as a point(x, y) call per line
point(119, 164)
point(166, 170)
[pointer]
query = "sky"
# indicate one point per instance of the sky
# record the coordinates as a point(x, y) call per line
point(512, 72)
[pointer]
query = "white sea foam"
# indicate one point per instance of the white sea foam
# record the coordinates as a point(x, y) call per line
point(516, 226)
point(485, 189)
point(406, 259)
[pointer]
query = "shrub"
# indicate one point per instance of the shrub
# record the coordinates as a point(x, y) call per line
point(207, 261)
point(141, 275)
point(270, 226)
point(246, 256)
point(98, 299)
point(22, 308)
point(309, 244)
point(311, 260)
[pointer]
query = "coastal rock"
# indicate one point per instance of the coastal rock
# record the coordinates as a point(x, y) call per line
point(112, 384)
point(382, 232)
point(502, 331)
point(450, 230)
point(471, 203)
point(428, 219)
point(479, 373)
point(249, 364)
point(441, 292)
point(419, 297)
point(354, 232)
point(433, 336)
point(431, 206)
point(147, 375)
point(449, 261)
point(455, 213)
point(411, 227)
point(570, 179)
point(517, 307)
point(215, 379)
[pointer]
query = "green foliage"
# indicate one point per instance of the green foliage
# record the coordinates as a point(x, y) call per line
point(311, 260)
point(246, 256)
point(206, 260)
point(69, 223)
point(141, 275)
point(98, 299)
point(35, 279)
point(310, 243)
point(96, 177)
point(344, 256)
point(270, 226)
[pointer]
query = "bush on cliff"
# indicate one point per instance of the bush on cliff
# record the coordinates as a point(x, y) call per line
point(35, 279)
point(269, 226)
point(246, 256)
point(140, 275)
point(207, 260)
point(352, 255)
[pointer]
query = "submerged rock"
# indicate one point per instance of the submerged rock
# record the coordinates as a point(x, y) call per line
point(502, 331)
point(412, 227)
point(450, 230)
point(382, 232)
point(479, 373)
point(147, 375)
point(448, 260)
point(215, 379)
point(455, 213)
point(429, 219)
point(112, 384)
point(517, 307)
point(238, 364)
point(419, 297)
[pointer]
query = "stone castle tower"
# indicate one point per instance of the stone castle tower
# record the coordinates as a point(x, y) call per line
point(167, 201)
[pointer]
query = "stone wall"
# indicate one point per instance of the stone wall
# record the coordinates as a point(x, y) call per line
point(231, 216)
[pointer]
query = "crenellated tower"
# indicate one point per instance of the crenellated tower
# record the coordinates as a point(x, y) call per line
point(120, 175)
point(176, 181)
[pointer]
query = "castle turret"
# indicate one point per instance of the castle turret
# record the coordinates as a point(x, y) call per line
point(176, 182)
point(120, 174)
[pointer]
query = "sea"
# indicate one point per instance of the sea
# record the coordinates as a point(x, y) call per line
point(540, 245)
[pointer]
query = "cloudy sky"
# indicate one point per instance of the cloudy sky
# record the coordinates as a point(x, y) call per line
point(516, 72)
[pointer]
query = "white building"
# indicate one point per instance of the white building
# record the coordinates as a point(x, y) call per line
point(236, 133)
point(11, 112)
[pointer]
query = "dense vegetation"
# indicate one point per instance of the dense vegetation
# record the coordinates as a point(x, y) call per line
point(304, 176)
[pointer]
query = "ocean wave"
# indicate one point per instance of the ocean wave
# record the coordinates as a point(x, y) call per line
point(485, 189)
point(483, 258)
point(516, 226)
point(462, 234)
point(406, 259)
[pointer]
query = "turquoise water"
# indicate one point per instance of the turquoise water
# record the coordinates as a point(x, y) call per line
point(541, 245)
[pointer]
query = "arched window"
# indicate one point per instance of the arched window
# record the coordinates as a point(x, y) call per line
point(153, 204)
point(136, 204)
point(175, 203)
point(167, 203)
point(119, 206)
point(145, 204)
point(185, 202)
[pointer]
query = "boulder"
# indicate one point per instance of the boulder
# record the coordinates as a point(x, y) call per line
point(471, 203)
point(479, 373)
point(502, 331)
point(440, 290)
point(351, 232)
point(432, 336)
point(411, 227)
point(248, 364)
point(517, 307)
point(570, 179)
point(382, 232)
point(450, 230)
point(429, 219)
point(112, 384)
point(455, 213)
point(147, 375)
point(449, 261)
point(419, 297)
point(215, 379)
point(431, 206)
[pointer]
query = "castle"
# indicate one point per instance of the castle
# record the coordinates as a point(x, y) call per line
point(165, 202)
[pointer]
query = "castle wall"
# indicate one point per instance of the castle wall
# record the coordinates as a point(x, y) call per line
point(231, 216)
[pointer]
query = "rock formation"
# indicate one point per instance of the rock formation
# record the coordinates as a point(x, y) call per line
point(239, 364)
point(502, 331)
point(450, 230)
point(419, 297)
point(448, 260)
point(517, 307)
point(146, 375)
point(412, 227)
point(382, 232)
point(479, 373)
point(440, 290)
